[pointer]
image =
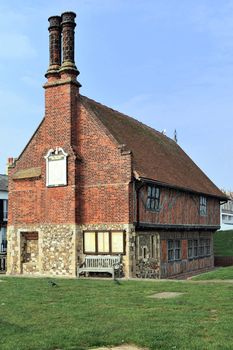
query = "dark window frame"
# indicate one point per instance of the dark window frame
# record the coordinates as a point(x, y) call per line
point(173, 250)
point(153, 198)
point(203, 206)
point(201, 248)
point(190, 249)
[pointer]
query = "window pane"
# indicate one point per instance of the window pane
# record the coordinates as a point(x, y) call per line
point(152, 204)
point(153, 192)
point(170, 244)
point(177, 254)
point(149, 191)
point(117, 242)
point(190, 243)
point(5, 209)
point(170, 255)
point(157, 192)
point(148, 203)
point(103, 242)
point(89, 242)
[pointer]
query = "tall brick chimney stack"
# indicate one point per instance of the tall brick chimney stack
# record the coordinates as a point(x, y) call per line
point(68, 25)
point(62, 87)
point(54, 46)
point(62, 50)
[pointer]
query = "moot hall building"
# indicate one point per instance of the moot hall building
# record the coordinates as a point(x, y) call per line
point(94, 182)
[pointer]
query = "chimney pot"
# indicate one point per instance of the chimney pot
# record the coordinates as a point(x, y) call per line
point(54, 45)
point(68, 24)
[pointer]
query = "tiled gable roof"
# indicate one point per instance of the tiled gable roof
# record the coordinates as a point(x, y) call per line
point(3, 182)
point(155, 156)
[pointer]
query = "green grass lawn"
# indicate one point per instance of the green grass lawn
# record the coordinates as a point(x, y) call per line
point(223, 243)
point(79, 314)
point(222, 273)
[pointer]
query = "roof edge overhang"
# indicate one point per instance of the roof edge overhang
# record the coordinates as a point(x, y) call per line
point(166, 227)
point(184, 189)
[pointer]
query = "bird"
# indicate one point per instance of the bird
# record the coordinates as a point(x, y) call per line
point(53, 284)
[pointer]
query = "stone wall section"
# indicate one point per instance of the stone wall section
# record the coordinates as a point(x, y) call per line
point(56, 254)
point(147, 255)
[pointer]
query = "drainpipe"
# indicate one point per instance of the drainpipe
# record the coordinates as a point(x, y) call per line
point(138, 189)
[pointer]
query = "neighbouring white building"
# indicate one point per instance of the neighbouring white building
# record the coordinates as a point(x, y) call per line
point(226, 213)
point(3, 212)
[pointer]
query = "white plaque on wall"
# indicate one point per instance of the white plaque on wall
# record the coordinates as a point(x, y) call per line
point(56, 167)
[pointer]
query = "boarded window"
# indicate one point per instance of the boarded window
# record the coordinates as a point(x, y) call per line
point(89, 242)
point(118, 242)
point(103, 242)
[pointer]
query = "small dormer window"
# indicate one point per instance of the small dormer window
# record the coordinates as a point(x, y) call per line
point(203, 206)
point(56, 167)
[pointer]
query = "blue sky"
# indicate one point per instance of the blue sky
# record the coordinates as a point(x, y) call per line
point(168, 63)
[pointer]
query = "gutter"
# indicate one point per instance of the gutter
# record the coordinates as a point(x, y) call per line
point(148, 226)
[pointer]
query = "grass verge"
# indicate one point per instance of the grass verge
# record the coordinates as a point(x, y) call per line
point(79, 314)
point(222, 273)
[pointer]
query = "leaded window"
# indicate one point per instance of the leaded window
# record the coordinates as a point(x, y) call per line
point(202, 247)
point(207, 247)
point(190, 248)
point(153, 197)
point(203, 206)
point(174, 250)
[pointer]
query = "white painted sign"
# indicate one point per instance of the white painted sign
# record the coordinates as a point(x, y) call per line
point(56, 167)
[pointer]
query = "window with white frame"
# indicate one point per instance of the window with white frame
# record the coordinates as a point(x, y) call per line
point(203, 206)
point(174, 249)
point(56, 167)
point(5, 209)
point(153, 198)
point(105, 242)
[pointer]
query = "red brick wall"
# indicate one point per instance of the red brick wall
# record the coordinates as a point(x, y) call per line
point(184, 249)
point(98, 184)
point(163, 250)
point(30, 201)
point(103, 175)
point(178, 207)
